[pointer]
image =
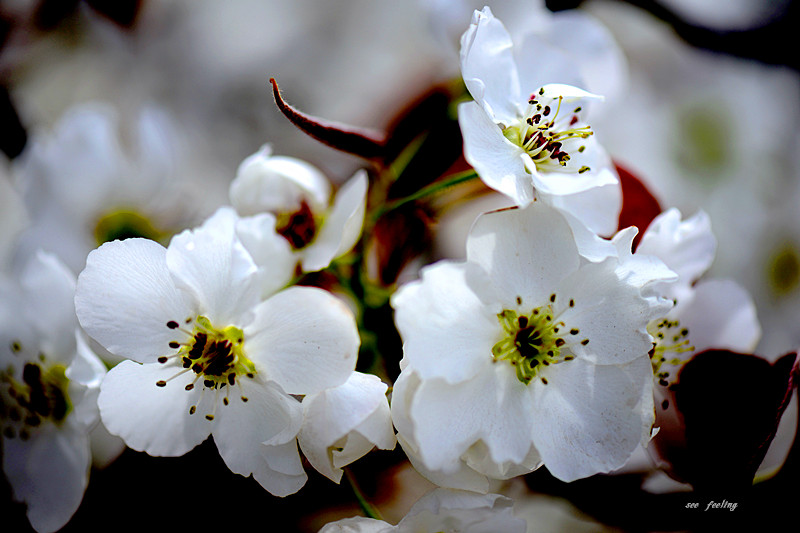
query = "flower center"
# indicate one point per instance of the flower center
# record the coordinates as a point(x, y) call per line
point(668, 338)
point(534, 341)
point(124, 224)
point(215, 355)
point(784, 270)
point(36, 396)
point(299, 227)
point(548, 133)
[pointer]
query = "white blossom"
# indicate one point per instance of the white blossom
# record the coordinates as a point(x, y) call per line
point(206, 354)
point(526, 137)
point(344, 423)
point(49, 383)
point(298, 195)
point(525, 354)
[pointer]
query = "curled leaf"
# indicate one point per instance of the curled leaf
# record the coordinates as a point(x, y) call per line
point(357, 141)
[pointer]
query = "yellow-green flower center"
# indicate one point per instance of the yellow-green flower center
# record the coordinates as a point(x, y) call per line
point(668, 338)
point(32, 397)
point(534, 341)
point(547, 132)
point(784, 270)
point(125, 224)
point(215, 355)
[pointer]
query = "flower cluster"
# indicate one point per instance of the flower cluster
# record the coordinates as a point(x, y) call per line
point(303, 322)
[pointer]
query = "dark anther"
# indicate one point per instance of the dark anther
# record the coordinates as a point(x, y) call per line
point(522, 321)
point(208, 383)
point(560, 342)
point(232, 379)
point(192, 409)
point(190, 386)
point(161, 383)
point(174, 345)
point(162, 359)
point(209, 417)
point(574, 331)
point(172, 324)
point(552, 298)
point(585, 342)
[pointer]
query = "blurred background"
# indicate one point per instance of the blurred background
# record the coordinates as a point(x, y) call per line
point(704, 109)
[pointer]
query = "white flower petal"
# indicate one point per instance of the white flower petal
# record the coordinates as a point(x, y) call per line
point(342, 226)
point(241, 427)
point(463, 477)
point(493, 407)
point(281, 472)
point(126, 296)
point(611, 314)
point(686, 247)
point(598, 207)
point(721, 314)
point(49, 305)
point(498, 162)
point(353, 417)
point(447, 331)
point(277, 184)
point(85, 374)
point(303, 338)
point(526, 253)
point(488, 67)
point(149, 418)
point(49, 473)
point(540, 62)
point(212, 265)
point(270, 251)
point(588, 418)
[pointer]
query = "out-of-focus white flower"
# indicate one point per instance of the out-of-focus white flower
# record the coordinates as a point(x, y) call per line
point(681, 128)
point(727, 15)
point(13, 217)
point(83, 185)
point(525, 354)
point(569, 46)
point(298, 194)
point(528, 139)
point(343, 423)
point(207, 355)
point(443, 511)
point(708, 313)
point(48, 392)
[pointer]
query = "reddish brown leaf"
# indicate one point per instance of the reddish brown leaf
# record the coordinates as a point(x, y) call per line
point(357, 141)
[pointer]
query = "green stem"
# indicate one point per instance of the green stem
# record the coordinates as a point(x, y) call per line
point(367, 508)
point(433, 188)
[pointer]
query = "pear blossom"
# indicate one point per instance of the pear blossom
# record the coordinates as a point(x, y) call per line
point(98, 177)
point(568, 46)
point(525, 354)
point(49, 382)
point(298, 194)
point(708, 313)
point(527, 138)
point(206, 354)
point(443, 511)
point(343, 423)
